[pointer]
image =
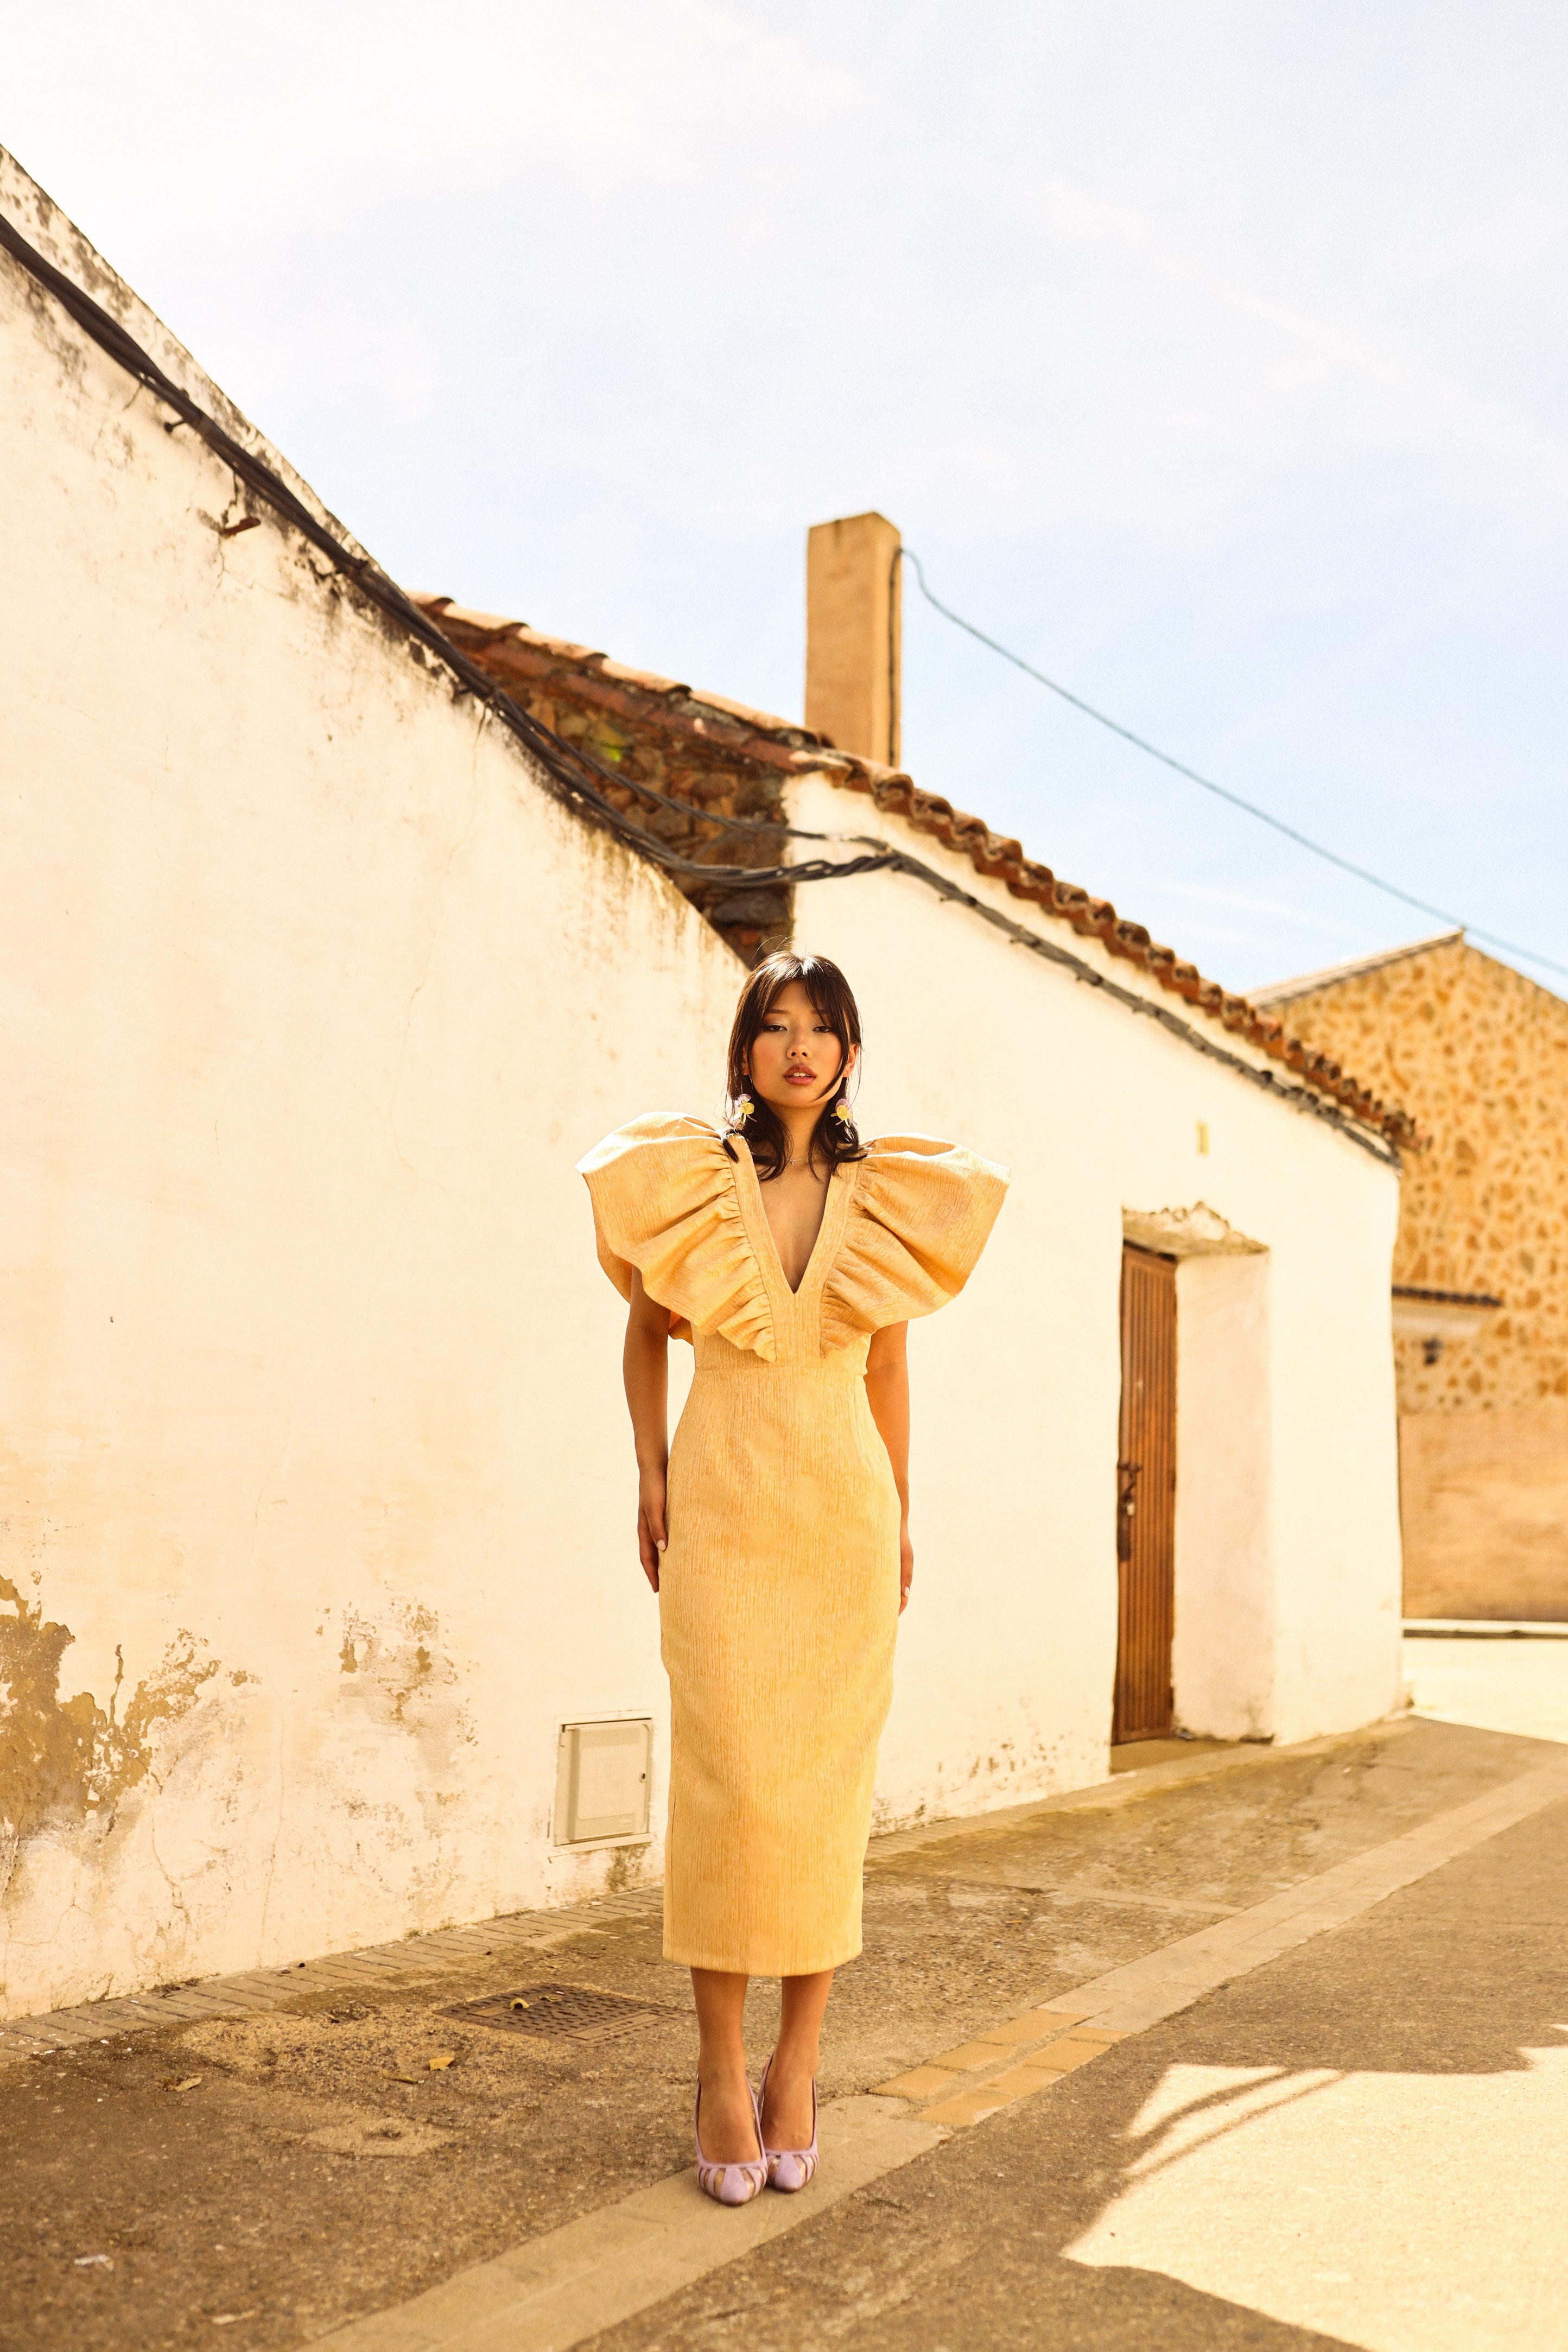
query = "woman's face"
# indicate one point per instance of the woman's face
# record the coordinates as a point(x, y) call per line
point(795, 1059)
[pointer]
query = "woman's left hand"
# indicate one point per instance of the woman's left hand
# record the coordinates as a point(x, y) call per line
point(905, 1566)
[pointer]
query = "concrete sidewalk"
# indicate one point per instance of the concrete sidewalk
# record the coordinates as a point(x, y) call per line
point(1494, 1677)
point(1214, 2044)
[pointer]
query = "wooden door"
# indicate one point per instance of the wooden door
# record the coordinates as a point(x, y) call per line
point(1145, 1497)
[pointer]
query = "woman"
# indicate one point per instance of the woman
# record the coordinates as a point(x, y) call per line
point(792, 1256)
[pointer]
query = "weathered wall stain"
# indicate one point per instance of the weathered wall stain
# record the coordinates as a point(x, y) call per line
point(68, 1760)
point(395, 1661)
point(395, 1668)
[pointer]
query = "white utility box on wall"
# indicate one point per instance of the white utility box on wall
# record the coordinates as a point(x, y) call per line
point(602, 1783)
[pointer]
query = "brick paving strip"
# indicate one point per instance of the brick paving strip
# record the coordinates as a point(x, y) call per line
point(376, 1966)
point(257, 1990)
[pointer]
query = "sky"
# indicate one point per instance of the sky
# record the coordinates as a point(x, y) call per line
point(1211, 356)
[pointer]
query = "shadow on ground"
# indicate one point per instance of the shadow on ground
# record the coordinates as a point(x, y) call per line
point(968, 2250)
point(304, 2180)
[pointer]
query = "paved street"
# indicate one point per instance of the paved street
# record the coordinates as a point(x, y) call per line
point(1246, 2048)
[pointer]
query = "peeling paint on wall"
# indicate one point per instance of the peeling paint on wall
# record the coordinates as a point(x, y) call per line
point(69, 1761)
point(396, 1675)
point(399, 1662)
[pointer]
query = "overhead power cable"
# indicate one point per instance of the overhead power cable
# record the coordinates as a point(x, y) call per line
point(1222, 791)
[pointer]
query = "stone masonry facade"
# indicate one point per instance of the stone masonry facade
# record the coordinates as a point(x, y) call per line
point(1480, 1054)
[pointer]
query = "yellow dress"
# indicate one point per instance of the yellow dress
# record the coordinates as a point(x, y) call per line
point(779, 1591)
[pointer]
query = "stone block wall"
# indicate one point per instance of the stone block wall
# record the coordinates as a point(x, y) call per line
point(1480, 1053)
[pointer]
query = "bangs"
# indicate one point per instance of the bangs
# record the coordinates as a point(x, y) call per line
point(823, 982)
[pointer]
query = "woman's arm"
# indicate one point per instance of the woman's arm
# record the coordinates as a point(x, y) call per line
point(887, 1393)
point(645, 1367)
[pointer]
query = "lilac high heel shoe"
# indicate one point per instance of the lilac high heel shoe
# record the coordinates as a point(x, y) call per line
point(788, 2168)
point(731, 2184)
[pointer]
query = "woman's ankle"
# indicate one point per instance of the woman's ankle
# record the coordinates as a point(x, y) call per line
point(797, 2060)
point(718, 2067)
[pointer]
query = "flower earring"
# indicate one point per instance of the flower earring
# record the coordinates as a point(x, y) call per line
point(742, 1110)
point(842, 1112)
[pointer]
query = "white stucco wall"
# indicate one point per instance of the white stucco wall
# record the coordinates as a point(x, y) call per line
point(1223, 1658)
point(1288, 1589)
point(317, 1480)
point(311, 1413)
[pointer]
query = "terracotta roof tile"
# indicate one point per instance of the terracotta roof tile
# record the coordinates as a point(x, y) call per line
point(644, 679)
point(736, 734)
point(762, 720)
point(492, 624)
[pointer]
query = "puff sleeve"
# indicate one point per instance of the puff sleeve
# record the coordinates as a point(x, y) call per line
point(665, 1201)
point(922, 1212)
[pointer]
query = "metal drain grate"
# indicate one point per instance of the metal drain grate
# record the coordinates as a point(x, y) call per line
point(560, 2012)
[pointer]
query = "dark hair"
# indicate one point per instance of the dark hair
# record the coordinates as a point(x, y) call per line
point(830, 993)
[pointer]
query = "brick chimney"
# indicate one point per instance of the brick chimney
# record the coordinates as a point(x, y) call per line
point(853, 634)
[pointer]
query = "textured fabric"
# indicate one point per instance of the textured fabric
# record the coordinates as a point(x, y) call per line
point(779, 1591)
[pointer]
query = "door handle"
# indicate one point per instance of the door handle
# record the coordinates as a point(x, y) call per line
point(1126, 1506)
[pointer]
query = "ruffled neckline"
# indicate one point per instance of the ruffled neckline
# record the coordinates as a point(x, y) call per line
point(922, 1212)
point(665, 1201)
point(842, 1187)
point(901, 1231)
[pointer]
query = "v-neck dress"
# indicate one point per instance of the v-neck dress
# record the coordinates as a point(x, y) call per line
point(778, 1590)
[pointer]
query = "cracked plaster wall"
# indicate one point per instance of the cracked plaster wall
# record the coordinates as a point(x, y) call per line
point(316, 1484)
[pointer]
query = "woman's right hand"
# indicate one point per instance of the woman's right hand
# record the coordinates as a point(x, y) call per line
point(652, 1534)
